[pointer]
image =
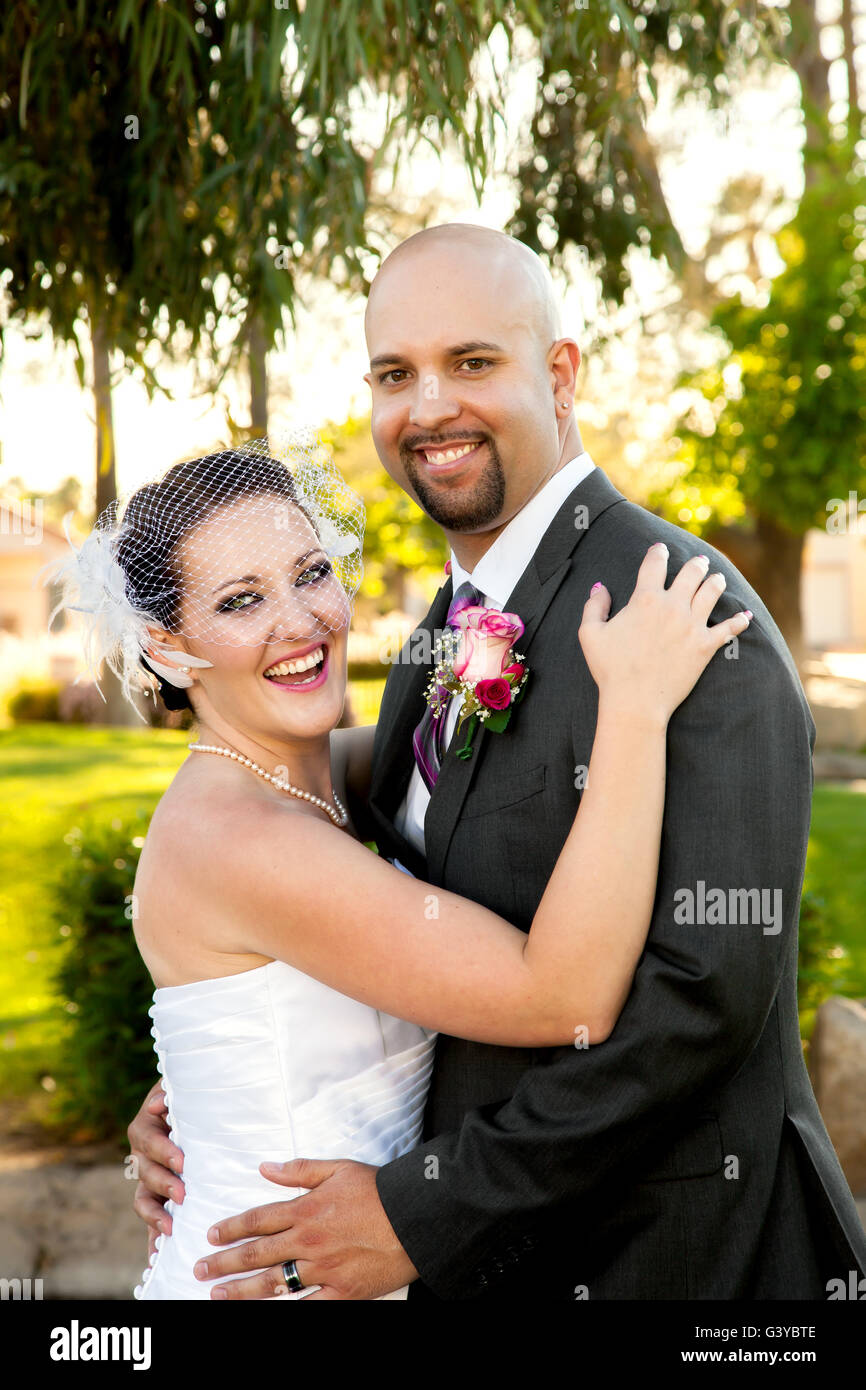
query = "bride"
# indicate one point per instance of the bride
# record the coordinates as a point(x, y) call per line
point(300, 978)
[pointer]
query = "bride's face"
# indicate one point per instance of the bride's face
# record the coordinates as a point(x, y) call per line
point(259, 593)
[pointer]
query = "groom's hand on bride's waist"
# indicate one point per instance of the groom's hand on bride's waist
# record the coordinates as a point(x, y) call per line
point(156, 1163)
point(337, 1233)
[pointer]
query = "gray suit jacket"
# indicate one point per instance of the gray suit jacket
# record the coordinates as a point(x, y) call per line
point(685, 1157)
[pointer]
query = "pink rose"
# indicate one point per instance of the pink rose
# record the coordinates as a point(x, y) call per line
point(515, 671)
point(495, 694)
point(486, 639)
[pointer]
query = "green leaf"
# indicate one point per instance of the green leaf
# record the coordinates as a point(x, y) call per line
point(497, 721)
point(25, 79)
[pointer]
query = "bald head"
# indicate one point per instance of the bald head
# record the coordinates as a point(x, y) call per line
point(507, 265)
point(472, 384)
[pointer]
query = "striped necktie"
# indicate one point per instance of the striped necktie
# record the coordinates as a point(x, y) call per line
point(428, 740)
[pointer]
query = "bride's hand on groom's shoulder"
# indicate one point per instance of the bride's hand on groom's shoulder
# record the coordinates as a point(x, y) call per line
point(156, 1163)
point(647, 659)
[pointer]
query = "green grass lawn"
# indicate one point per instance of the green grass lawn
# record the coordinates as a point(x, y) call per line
point(836, 870)
point(52, 774)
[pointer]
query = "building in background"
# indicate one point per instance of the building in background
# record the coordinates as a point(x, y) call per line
point(28, 651)
point(834, 589)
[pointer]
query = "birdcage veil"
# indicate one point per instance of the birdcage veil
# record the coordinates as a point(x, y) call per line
point(249, 545)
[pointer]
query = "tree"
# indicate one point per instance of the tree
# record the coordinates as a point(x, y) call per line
point(159, 175)
point(161, 171)
point(777, 432)
point(164, 174)
point(777, 439)
point(590, 177)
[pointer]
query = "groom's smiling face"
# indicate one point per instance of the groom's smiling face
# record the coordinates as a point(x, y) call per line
point(468, 377)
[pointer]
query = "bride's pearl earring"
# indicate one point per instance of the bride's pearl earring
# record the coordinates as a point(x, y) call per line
point(563, 405)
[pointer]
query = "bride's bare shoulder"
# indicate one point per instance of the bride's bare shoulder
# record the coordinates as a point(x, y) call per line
point(208, 814)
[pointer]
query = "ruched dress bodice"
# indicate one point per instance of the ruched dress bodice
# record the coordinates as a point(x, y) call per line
point(273, 1065)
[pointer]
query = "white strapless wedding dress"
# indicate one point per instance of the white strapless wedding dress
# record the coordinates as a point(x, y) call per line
point(271, 1064)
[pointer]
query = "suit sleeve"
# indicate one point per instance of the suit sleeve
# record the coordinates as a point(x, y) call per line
point(739, 783)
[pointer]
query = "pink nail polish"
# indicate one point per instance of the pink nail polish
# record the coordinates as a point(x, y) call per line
point(748, 612)
point(596, 585)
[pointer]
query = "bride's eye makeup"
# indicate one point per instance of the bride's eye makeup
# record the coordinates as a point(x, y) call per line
point(313, 574)
point(238, 602)
point(318, 571)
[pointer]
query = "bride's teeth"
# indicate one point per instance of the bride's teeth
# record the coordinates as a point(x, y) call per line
point(292, 668)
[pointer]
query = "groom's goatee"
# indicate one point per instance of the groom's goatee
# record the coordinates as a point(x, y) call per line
point(460, 511)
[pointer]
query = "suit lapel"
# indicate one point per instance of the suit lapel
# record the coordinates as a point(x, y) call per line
point(530, 599)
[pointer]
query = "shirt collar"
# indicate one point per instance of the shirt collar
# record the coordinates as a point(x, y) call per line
point(497, 572)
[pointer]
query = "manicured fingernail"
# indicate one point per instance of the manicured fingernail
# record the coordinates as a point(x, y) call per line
point(213, 1235)
point(659, 545)
point(220, 1293)
point(748, 612)
point(201, 1269)
point(596, 585)
point(704, 559)
point(160, 1226)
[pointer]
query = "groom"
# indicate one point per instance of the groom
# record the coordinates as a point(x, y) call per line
point(684, 1158)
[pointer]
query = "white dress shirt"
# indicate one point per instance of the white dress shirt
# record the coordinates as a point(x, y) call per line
point(495, 576)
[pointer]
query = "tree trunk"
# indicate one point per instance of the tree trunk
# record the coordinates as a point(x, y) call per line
point(258, 360)
point(395, 586)
point(781, 562)
point(813, 70)
point(770, 558)
point(847, 21)
point(116, 710)
point(106, 480)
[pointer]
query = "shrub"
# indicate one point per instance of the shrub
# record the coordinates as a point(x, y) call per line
point(34, 703)
point(822, 964)
point(81, 703)
point(108, 1061)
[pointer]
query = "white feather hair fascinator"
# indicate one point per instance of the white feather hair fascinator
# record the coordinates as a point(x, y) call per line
point(270, 507)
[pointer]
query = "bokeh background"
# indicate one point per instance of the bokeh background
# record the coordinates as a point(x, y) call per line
point(194, 198)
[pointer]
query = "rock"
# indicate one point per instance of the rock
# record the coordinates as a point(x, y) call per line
point(74, 1228)
point(838, 1069)
point(839, 710)
point(840, 767)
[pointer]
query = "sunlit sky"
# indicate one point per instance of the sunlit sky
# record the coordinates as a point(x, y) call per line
point(46, 421)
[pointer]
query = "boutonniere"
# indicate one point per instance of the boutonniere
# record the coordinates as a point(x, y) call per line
point(478, 661)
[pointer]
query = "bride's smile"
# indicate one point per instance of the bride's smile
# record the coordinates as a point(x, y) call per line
point(271, 618)
point(290, 671)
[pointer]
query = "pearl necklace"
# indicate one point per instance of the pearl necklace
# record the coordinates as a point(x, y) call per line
point(339, 816)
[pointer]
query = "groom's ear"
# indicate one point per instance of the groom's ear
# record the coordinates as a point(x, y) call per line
point(563, 362)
